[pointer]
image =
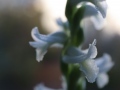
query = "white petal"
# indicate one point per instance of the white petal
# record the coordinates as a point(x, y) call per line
point(98, 21)
point(90, 70)
point(90, 10)
point(104, 63)
point(41, 49)
point(39, 44)
point(59, 22)
point(74, 59)
point(73, 51)
point(102, 6)
point(77, 56)
point(92, 52)
point(40, 54)
point(102, 80)
point(57, 37)
point(35, 34)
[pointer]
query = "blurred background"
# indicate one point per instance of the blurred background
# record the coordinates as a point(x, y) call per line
point(19, 69)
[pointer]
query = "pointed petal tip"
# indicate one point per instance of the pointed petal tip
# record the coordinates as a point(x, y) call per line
point(32, 44)
point(35, 30)
point(92, 52)
point(35, 34)
point(39, 60)
point(94, 42)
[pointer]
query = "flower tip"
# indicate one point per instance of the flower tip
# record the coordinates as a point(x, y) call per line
point(30, 43)
point(38, 60)
point(35, 34)
point(34, 31)
point(94, 42)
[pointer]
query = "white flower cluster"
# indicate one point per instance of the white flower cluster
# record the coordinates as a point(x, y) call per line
point(93, 69)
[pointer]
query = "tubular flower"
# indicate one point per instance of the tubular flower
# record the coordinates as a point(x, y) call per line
point(43, 42)
point(105, 64)
point(85, 59)
point(93, 14)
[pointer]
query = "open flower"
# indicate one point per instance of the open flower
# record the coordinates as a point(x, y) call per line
point(105, 64)
point(42, 42)
point(86, 60)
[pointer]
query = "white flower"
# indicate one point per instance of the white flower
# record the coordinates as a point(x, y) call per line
point(42, 42)
point(105, 64)
point(86, 61)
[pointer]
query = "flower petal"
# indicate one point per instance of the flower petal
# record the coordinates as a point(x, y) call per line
point(35, 34)
point(98, 21)
point(57, 37)
point(40, 54)
point(92, 52)
point(74, 59)
point(41, 49)
point(102, 6)
point(39, 44)
point(105, 63)
point(102, 80)
point(90, 70)
point(73, 51)
point(90, 10)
